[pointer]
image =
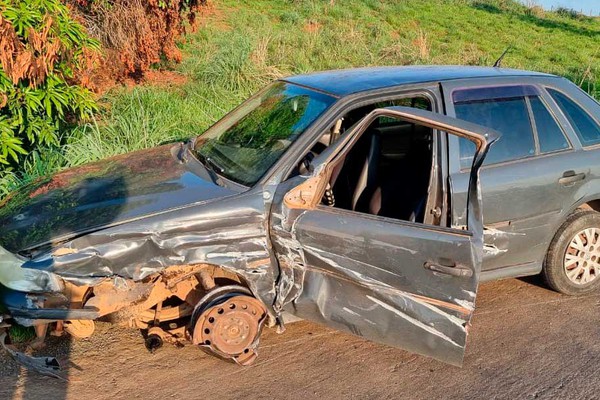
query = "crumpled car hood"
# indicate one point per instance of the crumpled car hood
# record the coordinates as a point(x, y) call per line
point(101, 194)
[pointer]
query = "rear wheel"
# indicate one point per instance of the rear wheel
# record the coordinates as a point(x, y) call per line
point(573, 261)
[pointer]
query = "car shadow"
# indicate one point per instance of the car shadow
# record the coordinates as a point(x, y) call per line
point(57, 206)
point(535, 280)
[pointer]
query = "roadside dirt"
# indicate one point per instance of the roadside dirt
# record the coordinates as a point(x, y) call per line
point(526, 342)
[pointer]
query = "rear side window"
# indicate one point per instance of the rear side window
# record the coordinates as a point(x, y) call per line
point(518, 113)
point(503, 109)
point(550, 135)
point(584, 125)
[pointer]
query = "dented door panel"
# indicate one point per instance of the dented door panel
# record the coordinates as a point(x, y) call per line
point(360, 270)
point(372, 276)
point(369, 278)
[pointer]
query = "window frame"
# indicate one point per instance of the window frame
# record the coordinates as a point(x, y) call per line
point(329, 118)
point(340, 157)
point(567, 120)
point(283, 168)
point(542, 96)
point(401, 222)
point(562, 129)
point(439, 188)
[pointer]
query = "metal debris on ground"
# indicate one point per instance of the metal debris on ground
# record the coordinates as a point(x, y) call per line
point(48, 366)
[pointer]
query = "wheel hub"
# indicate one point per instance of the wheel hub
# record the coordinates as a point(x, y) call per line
point(231, 329)
point(582, 258)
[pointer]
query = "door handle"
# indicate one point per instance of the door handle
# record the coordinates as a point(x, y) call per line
point(570, 177)
point(455, 270)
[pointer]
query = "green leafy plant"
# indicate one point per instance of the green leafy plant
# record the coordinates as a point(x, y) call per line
point(45, 61)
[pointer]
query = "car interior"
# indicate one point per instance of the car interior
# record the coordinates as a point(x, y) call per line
point(388, 169)
point(386, 172)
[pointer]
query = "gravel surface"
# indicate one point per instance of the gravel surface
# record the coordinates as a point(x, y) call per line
point(526, 342)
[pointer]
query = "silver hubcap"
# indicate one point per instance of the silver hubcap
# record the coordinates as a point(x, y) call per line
point(582, 259)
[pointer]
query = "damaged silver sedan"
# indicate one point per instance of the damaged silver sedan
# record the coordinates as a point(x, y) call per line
point(325, 197)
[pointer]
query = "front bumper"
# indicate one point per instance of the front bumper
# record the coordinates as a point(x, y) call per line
point(22, 307)
point(14, 276)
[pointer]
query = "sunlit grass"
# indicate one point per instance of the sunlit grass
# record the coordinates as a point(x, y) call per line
point(242, 45)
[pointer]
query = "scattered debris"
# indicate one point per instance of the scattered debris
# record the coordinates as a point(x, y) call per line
point(48, 366)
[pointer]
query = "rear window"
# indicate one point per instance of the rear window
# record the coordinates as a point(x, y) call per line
point(586, 128)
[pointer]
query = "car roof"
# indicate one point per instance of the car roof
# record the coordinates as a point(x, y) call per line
point(348, 81)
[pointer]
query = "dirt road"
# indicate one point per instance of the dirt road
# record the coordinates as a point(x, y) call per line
point(526, 342)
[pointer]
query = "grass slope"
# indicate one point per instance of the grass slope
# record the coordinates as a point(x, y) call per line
point(242, 45)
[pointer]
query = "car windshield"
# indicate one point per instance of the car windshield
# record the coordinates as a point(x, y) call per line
point(248, 141)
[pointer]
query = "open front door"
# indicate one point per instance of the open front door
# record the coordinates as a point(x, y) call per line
point(400, 282)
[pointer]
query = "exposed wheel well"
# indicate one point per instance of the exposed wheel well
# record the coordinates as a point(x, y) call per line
point(593, 205)
point(174, 286)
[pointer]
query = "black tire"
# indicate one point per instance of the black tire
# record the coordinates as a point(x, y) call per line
point(554, 267)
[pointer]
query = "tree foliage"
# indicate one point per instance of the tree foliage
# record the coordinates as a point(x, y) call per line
point(136, 34)
point(45, 62)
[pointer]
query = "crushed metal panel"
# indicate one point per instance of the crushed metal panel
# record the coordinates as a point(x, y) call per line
point(230, 233)
point(374, 285)
point(13, 276)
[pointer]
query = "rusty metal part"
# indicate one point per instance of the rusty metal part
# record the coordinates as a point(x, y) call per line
point(167, 313)
point(134, 298)
point(80, 329)
point(155, 338)
point(307, 195)
point(58, 330)
point(113, 295)
point(217, 296)
point(40, 337)
point(231, 329)
point(157, 312)
point(206, 279)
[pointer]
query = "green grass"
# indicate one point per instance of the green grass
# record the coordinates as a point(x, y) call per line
point(245, 44)
point(21, 334)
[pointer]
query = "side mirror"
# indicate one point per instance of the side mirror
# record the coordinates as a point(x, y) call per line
point(306, 195)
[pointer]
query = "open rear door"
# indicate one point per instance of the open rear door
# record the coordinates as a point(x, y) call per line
point(406, 284)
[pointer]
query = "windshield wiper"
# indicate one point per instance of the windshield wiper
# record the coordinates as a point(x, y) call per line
point(211, 167)
point(214, 165)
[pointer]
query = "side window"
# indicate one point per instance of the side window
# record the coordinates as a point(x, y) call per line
point(550, 135)
point(503, 110)
point(584, 125)
point(518, 113)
